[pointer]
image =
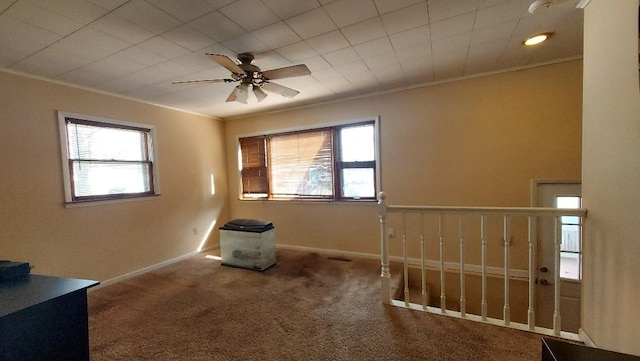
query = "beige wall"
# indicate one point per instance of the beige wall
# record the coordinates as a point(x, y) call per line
point(611, 175)
point(478, 141)
point(108, 240)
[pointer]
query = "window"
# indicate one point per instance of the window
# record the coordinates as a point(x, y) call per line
point(106, 160)
point(356, 163)
point(571, 246)
point(332, 163)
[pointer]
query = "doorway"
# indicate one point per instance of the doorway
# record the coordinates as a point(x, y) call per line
point(559, 195)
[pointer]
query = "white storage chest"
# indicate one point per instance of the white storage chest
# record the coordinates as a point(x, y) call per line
point(248, 243)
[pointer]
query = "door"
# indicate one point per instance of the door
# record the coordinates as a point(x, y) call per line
point(559, 195)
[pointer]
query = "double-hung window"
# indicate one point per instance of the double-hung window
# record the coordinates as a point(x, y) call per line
point(337, 162)
point(571, 245)
point(106, 159)
point(356, 163)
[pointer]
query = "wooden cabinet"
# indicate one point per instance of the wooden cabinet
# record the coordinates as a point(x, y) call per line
point(557, 350)
point(44, 318)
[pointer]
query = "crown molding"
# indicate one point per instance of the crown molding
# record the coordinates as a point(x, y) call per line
point(582, 4)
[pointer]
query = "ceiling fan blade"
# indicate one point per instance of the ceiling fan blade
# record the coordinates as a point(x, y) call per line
point(232, 96)
point(280, 89)
point(204, 81)
point(286, 72)
point(226, 62)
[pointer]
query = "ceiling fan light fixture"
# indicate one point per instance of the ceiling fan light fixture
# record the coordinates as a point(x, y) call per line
point(260, 94)
point(536, 39)
point(537, 4)
point(242, 93)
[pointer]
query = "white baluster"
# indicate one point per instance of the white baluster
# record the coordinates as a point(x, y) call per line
point(484, 213)
point(443, 297)
point(463, 301)
point(531, 313)
point(506, 312)
point(406, 262)
point(556, 283)
point(425, 293)
point(484, 267)
point(385, 274)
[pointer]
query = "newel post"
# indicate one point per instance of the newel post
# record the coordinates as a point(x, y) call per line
point(385, 274)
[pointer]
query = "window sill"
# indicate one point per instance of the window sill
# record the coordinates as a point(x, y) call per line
point(361, 202)
point(101, 202)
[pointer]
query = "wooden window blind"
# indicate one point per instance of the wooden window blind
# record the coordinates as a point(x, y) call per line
point(255, 181)
point(331, 163)
point(302, 164)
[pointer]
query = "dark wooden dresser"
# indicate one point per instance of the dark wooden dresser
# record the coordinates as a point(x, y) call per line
point(557, 350)
point(44, 318)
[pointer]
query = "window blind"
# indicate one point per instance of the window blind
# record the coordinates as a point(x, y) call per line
point(337, 162)
point(107, 160)
point(301, 164)
point(254, 166)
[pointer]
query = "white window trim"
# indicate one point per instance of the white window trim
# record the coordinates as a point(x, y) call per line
point(376, 129)
point(69, 203)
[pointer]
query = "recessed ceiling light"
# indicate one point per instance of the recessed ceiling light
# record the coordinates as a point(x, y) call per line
point(536, 39)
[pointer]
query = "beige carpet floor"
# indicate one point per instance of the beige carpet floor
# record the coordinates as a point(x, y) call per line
point(306, 307)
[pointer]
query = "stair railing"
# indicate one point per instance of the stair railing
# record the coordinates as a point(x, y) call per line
point(531, 214)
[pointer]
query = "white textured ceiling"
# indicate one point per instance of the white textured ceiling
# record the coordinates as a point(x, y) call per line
point(137, 48)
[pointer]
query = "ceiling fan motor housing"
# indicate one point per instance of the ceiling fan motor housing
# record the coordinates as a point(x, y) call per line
point(245, 58)
point(253, 73)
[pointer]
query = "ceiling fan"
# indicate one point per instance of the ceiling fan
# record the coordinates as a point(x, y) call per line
point(251, 77)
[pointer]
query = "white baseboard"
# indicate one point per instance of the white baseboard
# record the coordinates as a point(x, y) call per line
point(586, 339)
point(325, 251)
point(413, 262)
point(216, 247)
point(143, 270)
point(210, 248)
point(329, 252)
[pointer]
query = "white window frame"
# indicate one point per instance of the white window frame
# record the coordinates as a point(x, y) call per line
point(341, 123)
point(66, 172)
point(579, 252)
